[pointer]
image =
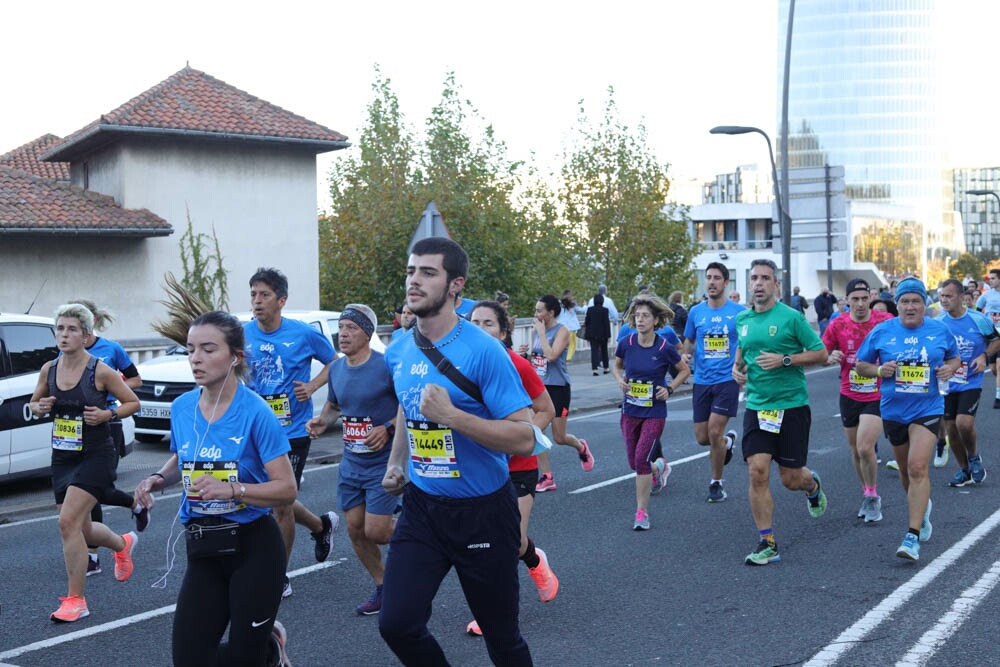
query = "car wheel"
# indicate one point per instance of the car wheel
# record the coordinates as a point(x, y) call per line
point(148, 438)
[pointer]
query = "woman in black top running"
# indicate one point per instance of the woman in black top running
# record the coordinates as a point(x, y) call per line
point(74, 389)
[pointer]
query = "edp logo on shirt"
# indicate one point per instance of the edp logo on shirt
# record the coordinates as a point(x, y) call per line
point(210, 453)
point(419, 370)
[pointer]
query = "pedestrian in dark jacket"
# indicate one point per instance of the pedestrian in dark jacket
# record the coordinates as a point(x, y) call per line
point(597, 324)
point(824, 304)
point(799, 302)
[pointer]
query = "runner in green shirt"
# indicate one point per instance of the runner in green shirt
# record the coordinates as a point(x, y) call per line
point(775, 342)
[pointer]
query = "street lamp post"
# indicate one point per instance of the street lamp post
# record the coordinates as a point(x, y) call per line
point(784, 219)
point(986, 193)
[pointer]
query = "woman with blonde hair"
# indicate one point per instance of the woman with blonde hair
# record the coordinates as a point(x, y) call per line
point(74, 388)
point(115, 356)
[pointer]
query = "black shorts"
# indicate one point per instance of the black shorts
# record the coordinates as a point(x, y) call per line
point(298, 456)
point(524, 482)
point(722, 399)
point(93, 470)
point(961, 403)
point(789, 447)
point(560, 395)
point(851, 410)
point(898, 433)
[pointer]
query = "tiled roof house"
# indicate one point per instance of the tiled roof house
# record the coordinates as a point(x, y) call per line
point(190, 148)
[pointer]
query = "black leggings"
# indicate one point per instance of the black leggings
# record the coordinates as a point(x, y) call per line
point(598, 353)
point(242, 591)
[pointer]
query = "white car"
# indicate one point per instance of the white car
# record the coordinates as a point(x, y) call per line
point(167, 377)
point(26, 343)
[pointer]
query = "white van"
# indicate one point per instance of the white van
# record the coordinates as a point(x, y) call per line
point(26, 343)
point(167, 377)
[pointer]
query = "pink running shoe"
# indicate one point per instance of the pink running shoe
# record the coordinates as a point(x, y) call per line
point(544, 578)
point(545, 483)
point(586, 458)
point(123, 559)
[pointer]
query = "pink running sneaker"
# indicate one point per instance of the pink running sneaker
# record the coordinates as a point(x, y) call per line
point(123, 559)
point(641, 520)
point(586, 458)
point(545, 483)
point(71, 608)
point(544, 578)
point(473, 629)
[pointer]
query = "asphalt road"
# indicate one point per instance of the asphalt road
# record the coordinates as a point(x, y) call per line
point(676, 595)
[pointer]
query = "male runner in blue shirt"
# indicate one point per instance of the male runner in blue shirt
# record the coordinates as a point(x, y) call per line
point(449, 458)
point(279, 352)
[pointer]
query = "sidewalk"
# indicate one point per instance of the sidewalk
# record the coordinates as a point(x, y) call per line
point(589, 394)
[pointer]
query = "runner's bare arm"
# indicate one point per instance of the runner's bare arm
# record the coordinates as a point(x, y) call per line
point(41, 403)
point(395, 472)
point(305, 390)
point(318, 425)
point(544, 410)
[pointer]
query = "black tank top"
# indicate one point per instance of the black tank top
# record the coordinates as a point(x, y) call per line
point(70, 403)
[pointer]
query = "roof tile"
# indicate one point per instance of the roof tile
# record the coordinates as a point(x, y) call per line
point(191, 100)
point(29, 203)
point(25, 158)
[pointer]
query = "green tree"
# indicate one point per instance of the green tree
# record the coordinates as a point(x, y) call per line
point(505, 213)
point(375, 209)
point(201, 261)
point(465, 170)
point(616, 190)
point(967, 264)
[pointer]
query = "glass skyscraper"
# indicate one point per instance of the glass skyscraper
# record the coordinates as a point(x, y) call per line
point(863, 94)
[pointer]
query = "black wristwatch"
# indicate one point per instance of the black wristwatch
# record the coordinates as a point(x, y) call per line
point(786, 360)
point(670, 390)
point(114, 415)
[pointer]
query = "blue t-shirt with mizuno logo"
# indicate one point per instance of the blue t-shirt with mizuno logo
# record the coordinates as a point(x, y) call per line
point(713, 331)
point(279, 359)
point(912, 392)
point(445, 462)
point(234, 448)
point(972, 332)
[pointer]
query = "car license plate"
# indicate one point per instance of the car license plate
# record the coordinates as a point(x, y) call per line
point(155, 412)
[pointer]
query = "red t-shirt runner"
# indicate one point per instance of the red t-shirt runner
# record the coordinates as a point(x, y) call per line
point(845, 334)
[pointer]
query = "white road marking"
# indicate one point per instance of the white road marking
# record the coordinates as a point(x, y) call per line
point(830, 653)
point(131, 620)
point(947, 625)
point(631, 475)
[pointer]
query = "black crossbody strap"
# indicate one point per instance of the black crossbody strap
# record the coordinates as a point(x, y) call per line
point(445, 367)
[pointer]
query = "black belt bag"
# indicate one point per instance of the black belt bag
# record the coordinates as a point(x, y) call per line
point(212, 537)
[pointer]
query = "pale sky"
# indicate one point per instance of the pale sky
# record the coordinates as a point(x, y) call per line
point(682, 66)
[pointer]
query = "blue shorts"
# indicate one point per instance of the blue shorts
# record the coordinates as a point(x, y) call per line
point(722, 399)
point(360, 483)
